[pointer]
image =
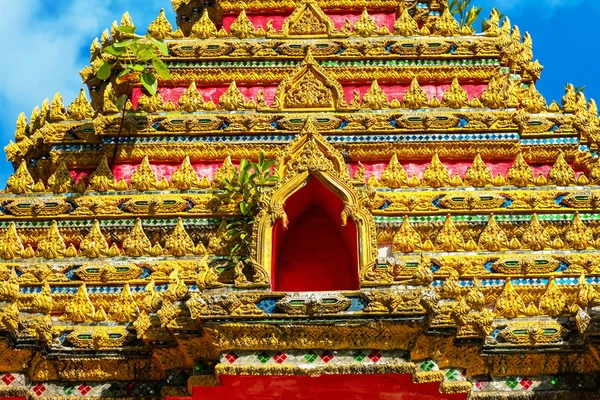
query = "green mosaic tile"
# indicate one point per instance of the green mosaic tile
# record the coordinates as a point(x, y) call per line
point(359, 356)
point(263, 357)
point(69, 389)
point(310, 357)
point(452, 375)
point(427, 366)
point(511, 383)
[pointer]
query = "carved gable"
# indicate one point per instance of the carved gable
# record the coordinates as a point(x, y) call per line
point(308, 19)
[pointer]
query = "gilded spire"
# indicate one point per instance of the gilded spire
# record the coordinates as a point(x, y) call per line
point(80, 308)
point(375, 98)
point(21, 181)
point(578, 236)
point(407, 240)
point(21, 127)
point(11, 246)
point(226, 171)
point(137, 244)
point(58, 112)
point(52, 245)
point(394, 176)
point(493, 238)
point(520, 173)
point(94, 244)
point(144, 177)
point(242, 27)
point(191, 100)
point(81, 109)
point(45, 111)
point(561, 173)
point(536, 237)
point(232, 99)
point(185, 177)
point(492, 25)
point(449, 238)
point(569, 100)
point(478, 174)
point(179, 243)
point(160, 28)
point(455, 96)
point(102, 180)
point(61, 181)
point(415, 97)
point(436, 174)
point(124, 309)
point(365, 26)
point(406, 25)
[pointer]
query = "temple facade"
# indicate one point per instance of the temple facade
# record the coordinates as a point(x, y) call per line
point(431, 232)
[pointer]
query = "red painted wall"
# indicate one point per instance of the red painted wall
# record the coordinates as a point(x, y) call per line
point(325, 387)
point(315, 253)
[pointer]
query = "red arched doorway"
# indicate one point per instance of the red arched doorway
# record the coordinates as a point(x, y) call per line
point(315, 253)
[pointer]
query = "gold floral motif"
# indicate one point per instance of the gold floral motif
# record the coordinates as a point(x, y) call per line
point(532, 101)
point(21, 181)
point(365, 26)
point(375, 98)
point(520, 173)
point(436, 174)
point(9, 288)
point(191, 100)
point(152, 301)
point(137, 244)
point(446, 25)
point(81, 109)
point(58, 112)
point(242, 27)
point(160, 28)
point(21, 127)
point(536, 237)
point(226, 172)
point(102, 179)
point(142, 324)
point(578, 236)
point(394, 176)
point(407, 240)
point(415, 97)
point(52, 245)
point(478, 174)
point(569, 100)
point(553, 301)
point(406, 25)
point(179, 243)
point(308, 19)
point(151, 104)
point(61, 181)
point(310, 92)
point(232, 99)
point(124, 309)
point(94, 244)
point(455, 96)
point(185, 177)
point(561, 173)
point(80, 308)
point(509, 304)
point(449, 239)
point(11, 246)
point(493, 238)
point(144, 177)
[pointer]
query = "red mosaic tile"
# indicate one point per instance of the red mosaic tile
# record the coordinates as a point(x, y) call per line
point(326, 356)
point(231, 357)
point(279, 357)
point(526, 383)
point(39, 389)
point(8, 379)
point(375, 356)
point(84, 389)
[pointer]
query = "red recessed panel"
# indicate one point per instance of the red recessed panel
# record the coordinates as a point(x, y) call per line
point(325, 387)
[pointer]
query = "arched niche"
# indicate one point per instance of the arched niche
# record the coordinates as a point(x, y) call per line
point(317, 252)
point(312, 169)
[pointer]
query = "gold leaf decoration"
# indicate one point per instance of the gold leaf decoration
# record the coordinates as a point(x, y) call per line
point(137, 244)
point(185, 177)
point(21, 181)
point(446, 25)
point(232, 99)
point(124, 309)
point(365, 26)
point(510, 304)
point(191, 100)
point(81, 109)
point(160, 28)
point(179, 243)
point(578, 236)
point(94, 244)
point(406, 240)
point(102, 180)
point(242, 27)
point(415, 97)
point(375, 98)
point(144, 177)
point(58, 112)
point(449, 239)
point(80, 308)
point(204, 28)
point(406, 25)
point(11, 246)
point(478, 174)
point(561, 173)
point(53, 244)
point(455, 96)
point(493, 238)
point(536, 237)
point(61, 181)
point(226, 171)
point(520, 173)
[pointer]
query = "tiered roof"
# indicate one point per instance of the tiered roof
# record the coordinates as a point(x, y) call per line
point(478, 200)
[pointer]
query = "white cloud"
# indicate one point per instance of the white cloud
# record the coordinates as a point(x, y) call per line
point(43, 46)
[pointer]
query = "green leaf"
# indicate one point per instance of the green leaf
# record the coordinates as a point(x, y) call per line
point(121, 101)
point(126, 29)
point(150, 83)
point(113, 51)
point(244, 207)
point(161, 46)
point(125, 72)
point(104, 71)
point(144, 52)
point(161, 68)
point(138, 68)
point(124, 44)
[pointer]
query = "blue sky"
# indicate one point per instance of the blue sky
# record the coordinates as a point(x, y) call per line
point(44, 44)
